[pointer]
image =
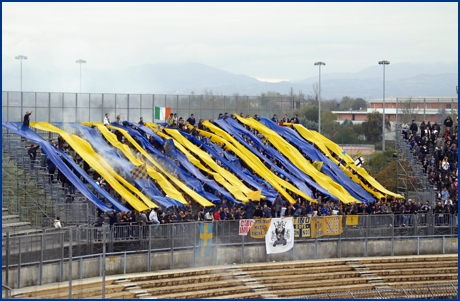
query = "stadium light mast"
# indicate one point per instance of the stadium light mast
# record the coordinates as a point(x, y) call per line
point(20, 58)
point(80, 61)
point(383, 105)
point(319, 95)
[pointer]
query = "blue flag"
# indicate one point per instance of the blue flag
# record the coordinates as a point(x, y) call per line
point(170, 149)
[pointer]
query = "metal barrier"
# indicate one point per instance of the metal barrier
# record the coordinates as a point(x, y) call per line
point(51, 243)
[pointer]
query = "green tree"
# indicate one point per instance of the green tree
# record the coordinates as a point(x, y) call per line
point(329, 105)
point(329, 124)
point(347, 103)
point(359, 104)
point(309, 112)
point(378, 161)
point(308, 124)
point(372, 127)
point(346, 135)
point(269, 98)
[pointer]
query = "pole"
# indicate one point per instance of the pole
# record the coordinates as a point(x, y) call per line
point(383, 104)
point(319, 95)
point(21, 74)
point(80, 61)
point(383, 117)
point(80, 78)
point(396, 122)
point(103, 261)
point(319, 101)
point(424, 109)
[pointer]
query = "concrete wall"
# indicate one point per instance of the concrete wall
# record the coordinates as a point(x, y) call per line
point(227, 255)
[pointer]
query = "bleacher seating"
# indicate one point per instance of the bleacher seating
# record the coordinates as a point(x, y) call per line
point(376, 277)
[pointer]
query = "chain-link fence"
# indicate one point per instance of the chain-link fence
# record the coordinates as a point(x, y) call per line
point(76, 107)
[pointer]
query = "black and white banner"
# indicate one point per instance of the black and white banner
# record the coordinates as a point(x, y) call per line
point(280, 235)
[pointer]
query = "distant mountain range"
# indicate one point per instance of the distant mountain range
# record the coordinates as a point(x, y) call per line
point(401, 80)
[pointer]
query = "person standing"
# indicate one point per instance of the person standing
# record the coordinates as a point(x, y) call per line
point(295, 119)
point(191, 120)
point(106, 119)
point(141, 121)
point(170, 120)
point(32, 152)
point(405, 129)
point(51, 168)
point(57, 223)
point(413, 128)
point(448, 122)
point(278, 204)
point(27, 118)
point(209, 216)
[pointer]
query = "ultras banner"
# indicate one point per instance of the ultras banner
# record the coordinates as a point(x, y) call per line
point(326, 226)
point(280, 235)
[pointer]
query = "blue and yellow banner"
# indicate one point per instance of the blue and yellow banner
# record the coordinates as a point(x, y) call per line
point(205, 241)
point(139, 172)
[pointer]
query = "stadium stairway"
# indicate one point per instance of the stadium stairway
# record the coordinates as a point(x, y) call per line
point(14, 226)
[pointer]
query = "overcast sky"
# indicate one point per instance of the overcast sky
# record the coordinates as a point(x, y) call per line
point(263, 40)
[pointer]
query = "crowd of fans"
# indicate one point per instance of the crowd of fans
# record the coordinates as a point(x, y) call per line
point(436, 150)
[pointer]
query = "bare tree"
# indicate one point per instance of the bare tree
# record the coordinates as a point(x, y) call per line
point(316, 92)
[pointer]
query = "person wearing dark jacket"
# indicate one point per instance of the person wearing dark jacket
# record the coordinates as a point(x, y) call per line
point(249, 208)
point(100, 220)
point(448, 122)
point(51, 168)
point(32, 152)
point(278, 204)
point(27, 118)
point(258, 213)
point(413, 127)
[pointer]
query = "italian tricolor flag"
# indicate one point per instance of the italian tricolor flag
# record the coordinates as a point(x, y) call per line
point(162, 113)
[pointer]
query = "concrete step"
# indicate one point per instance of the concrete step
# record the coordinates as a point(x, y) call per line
point(122, 281)
point(16, 224)
point(17, 232)
point(142, 296)
point(9, 216)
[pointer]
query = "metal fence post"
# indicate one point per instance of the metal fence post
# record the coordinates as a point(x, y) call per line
point(150, 249)
point(70, 262)
point(19, 264)
point(40, 268)
point(393, 244)
point(418, 245)
point(365, 246)
point(103, 260)
point(171, 256)
point(339, 250)
point(194, 243)
point(7, 261)
point(242, 248)
point(61, 267)
point(316, 248)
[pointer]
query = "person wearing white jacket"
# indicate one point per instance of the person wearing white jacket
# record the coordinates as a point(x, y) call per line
point(57, 223)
